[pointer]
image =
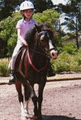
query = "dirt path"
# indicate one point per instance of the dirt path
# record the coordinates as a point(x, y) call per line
point(62, 101)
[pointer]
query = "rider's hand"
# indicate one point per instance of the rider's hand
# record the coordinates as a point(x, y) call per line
point(25, 44)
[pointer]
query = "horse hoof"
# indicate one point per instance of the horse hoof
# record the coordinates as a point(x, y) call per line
point(23, 118)
point(25, 115)
point(35, 118)
point(39, 117)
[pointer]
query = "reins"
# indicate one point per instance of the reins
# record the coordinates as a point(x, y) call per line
point(30, 62)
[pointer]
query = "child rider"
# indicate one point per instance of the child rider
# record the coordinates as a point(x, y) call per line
point(23, 25)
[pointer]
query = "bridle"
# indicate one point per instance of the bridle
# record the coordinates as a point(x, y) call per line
point(44, 51)
point(50, 49)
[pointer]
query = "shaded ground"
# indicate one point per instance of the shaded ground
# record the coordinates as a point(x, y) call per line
point(62, 101)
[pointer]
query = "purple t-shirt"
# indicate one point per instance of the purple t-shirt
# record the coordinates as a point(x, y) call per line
point(24, 26)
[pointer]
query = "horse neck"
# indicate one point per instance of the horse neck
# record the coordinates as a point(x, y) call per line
point(34, 46)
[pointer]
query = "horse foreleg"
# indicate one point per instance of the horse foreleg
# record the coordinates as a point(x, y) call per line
point(23, 113)
point(34, 99)
point(27, 95)
point(28, 92)
point(19, 90)
point(20, 96)
point(40, 99)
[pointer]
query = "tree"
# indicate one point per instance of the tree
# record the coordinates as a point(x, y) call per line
point(74, 9)
point(41, 5)
point(7, 7)
point(49, 15)
point(71, 6)
point(8, 33)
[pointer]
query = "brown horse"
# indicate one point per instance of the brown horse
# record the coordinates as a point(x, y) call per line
point(32, 66)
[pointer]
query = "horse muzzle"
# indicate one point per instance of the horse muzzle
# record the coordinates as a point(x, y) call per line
point(53, 54)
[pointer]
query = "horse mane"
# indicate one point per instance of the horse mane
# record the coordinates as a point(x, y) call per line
point(29, 37)
point(46, 27)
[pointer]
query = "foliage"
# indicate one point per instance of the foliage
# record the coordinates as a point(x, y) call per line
point(58, 42)
point(11, 43)
point(71, 25)
point(4, 67)
point(49, 15)
point(71, 6)
point(73, 9)
point(61, 65)
point(70, 48)
point(41, 5)
point(72, 35)
point(7, 7)
point(66, 37)
point(67, 62)
point(8, 33)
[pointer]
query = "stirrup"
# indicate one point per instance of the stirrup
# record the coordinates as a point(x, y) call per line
point(12, 79)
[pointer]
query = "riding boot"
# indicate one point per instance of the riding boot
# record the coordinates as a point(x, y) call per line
point(51, 72)
point(12, 77)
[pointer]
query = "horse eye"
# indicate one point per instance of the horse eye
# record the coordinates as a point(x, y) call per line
point(48, 35)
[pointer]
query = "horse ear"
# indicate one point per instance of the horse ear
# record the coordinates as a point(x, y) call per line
point(37, 28)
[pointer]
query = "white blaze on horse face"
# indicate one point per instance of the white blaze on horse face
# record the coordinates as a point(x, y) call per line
point(53, 52)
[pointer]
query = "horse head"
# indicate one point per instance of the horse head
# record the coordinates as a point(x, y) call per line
point(40, 37)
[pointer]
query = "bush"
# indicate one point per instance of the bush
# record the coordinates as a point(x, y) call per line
point(67, 63)
point(4, 67)
point(70, 48)
point(61, 64)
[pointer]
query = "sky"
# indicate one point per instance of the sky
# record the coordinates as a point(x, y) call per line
point(55, 2)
